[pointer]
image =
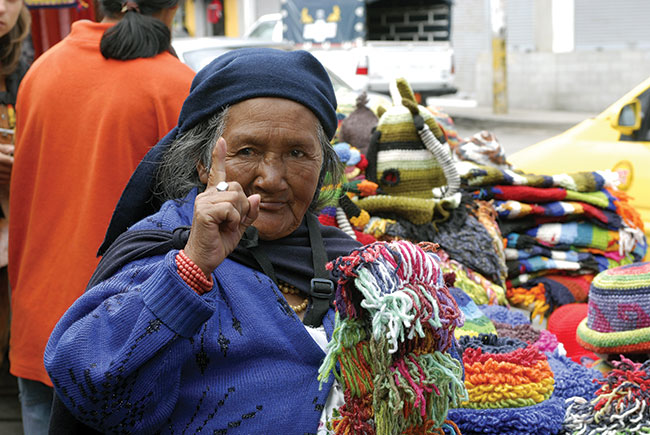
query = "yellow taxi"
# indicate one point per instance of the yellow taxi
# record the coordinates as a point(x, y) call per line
point(616, 139)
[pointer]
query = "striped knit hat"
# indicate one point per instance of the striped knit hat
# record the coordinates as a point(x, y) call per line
point(618, 320)
point(399, 158)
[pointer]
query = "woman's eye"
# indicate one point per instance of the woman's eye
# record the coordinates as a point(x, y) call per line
point(297, 153)
point(245, 152)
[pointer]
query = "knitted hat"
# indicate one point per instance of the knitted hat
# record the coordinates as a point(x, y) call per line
point(357, 128)
point(247, 73)
point(483, 149)
point(509, 384)
point(408, 154)
point(619, 311)
point(563, 323)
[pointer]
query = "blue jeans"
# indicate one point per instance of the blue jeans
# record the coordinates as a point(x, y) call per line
point(36, 405)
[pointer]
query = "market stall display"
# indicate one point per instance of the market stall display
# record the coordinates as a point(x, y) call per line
point(502, 239)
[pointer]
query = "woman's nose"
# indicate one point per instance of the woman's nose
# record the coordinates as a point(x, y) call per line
point(271, 173)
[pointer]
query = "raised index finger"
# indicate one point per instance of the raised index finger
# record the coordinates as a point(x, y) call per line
point(218, 166)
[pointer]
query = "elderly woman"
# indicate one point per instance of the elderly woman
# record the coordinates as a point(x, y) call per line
point(226, 334)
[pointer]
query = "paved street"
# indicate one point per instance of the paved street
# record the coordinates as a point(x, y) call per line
point(515, 130)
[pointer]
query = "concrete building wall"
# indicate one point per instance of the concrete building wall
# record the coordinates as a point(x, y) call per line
point(470, 22)
point(583, 81)
point(610, 56)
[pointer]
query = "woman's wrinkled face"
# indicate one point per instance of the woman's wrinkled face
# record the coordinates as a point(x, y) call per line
point(9, 11)
point(273, 150)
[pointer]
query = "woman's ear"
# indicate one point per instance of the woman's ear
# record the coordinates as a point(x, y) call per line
point(203, 172)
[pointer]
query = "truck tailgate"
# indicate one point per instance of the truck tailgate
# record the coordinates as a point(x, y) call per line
point(427, 66)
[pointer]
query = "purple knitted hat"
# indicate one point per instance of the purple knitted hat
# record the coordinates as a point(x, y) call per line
point(618, 320)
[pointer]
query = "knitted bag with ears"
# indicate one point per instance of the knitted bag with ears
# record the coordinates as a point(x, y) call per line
point(408, 153)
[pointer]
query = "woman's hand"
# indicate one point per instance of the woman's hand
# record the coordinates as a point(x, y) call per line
point(220, 217)
point(6, 162)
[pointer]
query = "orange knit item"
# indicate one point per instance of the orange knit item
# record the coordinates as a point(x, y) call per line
point(624, 209)
point(535, 295)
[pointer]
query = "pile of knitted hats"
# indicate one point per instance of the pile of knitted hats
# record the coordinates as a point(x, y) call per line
point(561, 230)
point(516, 377)
point(393, 348)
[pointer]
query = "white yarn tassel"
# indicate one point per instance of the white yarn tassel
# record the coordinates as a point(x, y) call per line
point(343, 223)
point(443, 156)
point(628, 238)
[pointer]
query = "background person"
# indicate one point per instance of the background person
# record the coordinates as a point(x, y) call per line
point(88, 110)
point(14, 61)
point(210, 337)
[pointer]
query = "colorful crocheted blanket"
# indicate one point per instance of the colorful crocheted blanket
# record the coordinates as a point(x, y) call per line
point(394, 341)
point(511, 209)
point(542, 259)
point(587, 235)
point(601, 198)
point(474, 176)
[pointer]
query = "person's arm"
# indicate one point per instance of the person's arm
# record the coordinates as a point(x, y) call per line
point(6, 162)
point(115, 357)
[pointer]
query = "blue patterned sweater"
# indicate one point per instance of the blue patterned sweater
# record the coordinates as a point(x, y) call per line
point(143, 353)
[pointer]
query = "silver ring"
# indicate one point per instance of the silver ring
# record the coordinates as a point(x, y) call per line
point(222, 186)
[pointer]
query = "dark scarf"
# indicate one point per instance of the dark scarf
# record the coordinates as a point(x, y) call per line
point(291, 256)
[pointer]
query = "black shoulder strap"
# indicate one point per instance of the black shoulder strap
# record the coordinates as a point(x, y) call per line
point(322, 288)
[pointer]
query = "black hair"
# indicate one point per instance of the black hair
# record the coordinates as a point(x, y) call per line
point(138, 33)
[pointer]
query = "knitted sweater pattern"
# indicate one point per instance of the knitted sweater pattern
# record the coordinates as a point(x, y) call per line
point(143, 353)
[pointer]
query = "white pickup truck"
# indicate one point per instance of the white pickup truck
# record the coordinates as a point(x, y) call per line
point(369, 44)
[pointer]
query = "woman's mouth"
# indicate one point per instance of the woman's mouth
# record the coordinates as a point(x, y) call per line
point(271, 205)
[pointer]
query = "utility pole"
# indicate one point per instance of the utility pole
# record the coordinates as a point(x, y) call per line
point(499, 72)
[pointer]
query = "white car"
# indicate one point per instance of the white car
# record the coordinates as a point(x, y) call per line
point(198, 52)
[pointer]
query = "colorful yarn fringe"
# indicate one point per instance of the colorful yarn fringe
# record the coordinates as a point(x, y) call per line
point(621, 405)
point(393, 341)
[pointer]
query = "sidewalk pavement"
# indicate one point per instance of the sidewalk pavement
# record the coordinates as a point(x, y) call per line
point(466, 111)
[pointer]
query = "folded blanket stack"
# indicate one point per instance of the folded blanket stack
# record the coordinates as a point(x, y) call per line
point(560, 230)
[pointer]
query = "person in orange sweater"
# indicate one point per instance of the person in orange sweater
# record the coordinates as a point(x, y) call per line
point(88, 110)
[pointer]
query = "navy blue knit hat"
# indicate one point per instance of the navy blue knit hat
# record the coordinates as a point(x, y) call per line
point(233, 77)
point(246, 73)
